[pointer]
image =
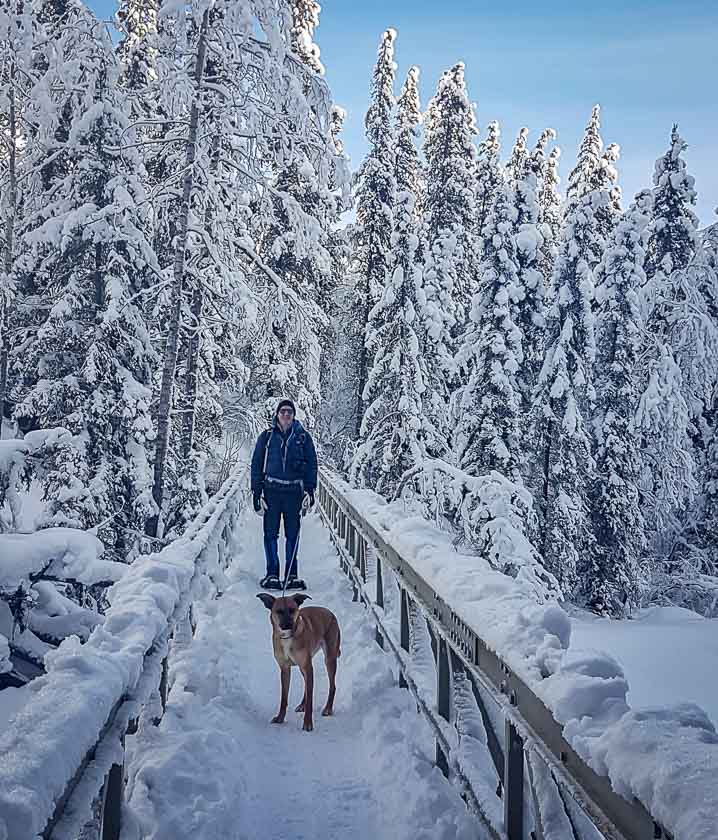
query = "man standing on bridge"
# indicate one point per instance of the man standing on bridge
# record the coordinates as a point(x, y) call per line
point(284, 478)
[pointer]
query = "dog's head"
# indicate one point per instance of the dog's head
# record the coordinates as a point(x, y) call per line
point(283, 612)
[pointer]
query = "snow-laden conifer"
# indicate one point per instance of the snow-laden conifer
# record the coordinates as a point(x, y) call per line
point(91, 358)
point(610, 584)
point(550, 213)
point(450, 154)
point(517, 163)
point(394, 430)
point(375, 196)
point(529, 294)
point(305, 19)
point(489, 175)
point(561, 410)
point(487, 435)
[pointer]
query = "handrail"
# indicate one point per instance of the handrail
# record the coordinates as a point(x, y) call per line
point(531, 732)
point(66, 747)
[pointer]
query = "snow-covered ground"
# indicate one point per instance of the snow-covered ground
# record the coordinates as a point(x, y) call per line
point(669, 655)
point(216, 767)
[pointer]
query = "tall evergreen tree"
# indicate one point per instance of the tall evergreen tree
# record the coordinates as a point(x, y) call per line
point(487, 436)
point(375, 198)
point(611, 584)
point(90, 362)
point(516, 166)
point(672, 233)
point(550, 211)
point(305, 19)
point(528, 295)
point(394, 430)
point(679, 360)
point(564, 392)
point(489, 175)
point(450, 258)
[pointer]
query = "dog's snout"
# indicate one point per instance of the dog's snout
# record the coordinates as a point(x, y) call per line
point(286, 619)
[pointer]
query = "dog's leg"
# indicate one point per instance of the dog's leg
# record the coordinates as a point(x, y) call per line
point(308, 674)
point(300, 707)
point(286, 674)
point(331, 664)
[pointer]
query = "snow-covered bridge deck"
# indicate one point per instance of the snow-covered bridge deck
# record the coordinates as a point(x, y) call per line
point(215, 767)
point(539, 741)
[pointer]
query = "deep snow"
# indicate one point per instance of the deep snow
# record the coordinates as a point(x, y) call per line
point(216, 767)
point(669, 654)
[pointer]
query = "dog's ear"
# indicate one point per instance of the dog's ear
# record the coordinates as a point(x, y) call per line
point(300, 598)
point(267, 600)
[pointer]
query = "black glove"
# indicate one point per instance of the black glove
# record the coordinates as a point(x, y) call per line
point(310, 493)
point(257, 502)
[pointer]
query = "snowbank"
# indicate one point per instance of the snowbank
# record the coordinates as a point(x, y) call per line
point(671, 641)
point(667, 758)
point(70, 705)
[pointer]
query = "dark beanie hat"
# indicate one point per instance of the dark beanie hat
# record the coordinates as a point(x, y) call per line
point(286, 403)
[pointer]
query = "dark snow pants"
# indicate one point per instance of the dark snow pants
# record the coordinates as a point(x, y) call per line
point(283, 502)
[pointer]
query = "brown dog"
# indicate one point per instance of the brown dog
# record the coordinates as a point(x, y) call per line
point(296, 636)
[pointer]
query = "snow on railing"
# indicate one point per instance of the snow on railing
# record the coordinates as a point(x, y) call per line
point(68, 741)
point(509, 702)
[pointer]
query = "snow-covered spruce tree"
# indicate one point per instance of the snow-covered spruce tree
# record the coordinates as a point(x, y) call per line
point(487, 436)
point(680, 372)
point(450, 206)
point(595, 172)
point(612, 581)
point(375, 196)
point(137, 20)
point(89, 364)
point(529, 296)
point(394, 430)
point(489, 175)
point(664, 417)
point(517, 163)
point(679, 297)
point(672, 233)
point(550, 213)
point(563, 459)
point(305, 19)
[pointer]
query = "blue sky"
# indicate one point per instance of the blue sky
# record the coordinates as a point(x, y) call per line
point(649, 63)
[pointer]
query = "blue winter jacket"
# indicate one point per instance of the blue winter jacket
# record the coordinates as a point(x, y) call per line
point(288, 456)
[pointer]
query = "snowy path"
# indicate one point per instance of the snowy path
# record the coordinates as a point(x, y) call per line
point(216, 768)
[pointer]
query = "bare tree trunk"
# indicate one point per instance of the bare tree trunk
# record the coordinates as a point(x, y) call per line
point(8, 244)
point(191, 382)
point(172, 346)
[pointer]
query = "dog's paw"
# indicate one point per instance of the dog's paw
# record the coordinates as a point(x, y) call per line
point(308, 726)
point(278, 719)
point(327, 712)
point(300, 707)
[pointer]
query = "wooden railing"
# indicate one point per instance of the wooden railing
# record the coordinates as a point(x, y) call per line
point(51, 784)
point(493, 734)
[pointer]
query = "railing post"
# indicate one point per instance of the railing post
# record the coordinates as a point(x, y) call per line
point(443, 693)
point(379, 599)
point(513, 783)
point(404, 631)
point(113, 795)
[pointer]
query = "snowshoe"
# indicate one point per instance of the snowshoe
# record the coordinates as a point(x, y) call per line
point(296, 583)
point(270, 582)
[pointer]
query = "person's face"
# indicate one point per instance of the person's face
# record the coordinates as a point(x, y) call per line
point(286, 415)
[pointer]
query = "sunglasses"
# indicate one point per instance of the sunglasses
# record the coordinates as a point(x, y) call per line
point(285, 411)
